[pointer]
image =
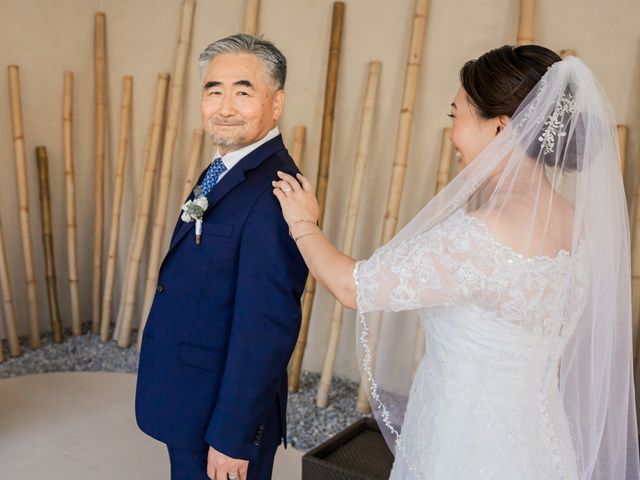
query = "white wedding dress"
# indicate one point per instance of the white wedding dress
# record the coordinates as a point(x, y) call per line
point(485, 402)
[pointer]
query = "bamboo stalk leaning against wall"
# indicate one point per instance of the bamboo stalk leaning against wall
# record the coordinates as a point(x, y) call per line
point(116, 206)
point(635, 274)
point(623, 132)
point(47, 241)
point(297, 150)
point(162, 200)
point(134, 233)
point(143, 210)
point(194, 162)
point(322, 180)
point(442, 179)
point(23, 203)
point(134, 230)
point(70, 198)
point(251, 17)
point(403, 140)
point(368, 110)
point(100, 54)
point(567, 52)
point(8, 308)
point(525, 22)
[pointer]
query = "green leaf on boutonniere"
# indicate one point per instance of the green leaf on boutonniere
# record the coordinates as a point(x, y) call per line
point(198, 190)
point(194, 210)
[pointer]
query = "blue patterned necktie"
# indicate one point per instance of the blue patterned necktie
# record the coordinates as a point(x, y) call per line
point(213, 174)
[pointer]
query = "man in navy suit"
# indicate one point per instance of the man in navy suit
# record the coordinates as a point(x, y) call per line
point(212, 380)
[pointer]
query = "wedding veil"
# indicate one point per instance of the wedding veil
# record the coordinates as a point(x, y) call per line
point(553, 173)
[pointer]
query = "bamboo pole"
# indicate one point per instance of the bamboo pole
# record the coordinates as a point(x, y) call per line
point(623, 132)
point(145, 195)
point(7, 301)
point(403, 141)
point(322, 181)
point(446, 153)
point(251, 17)
point(442, 179)
point(70, 196)
point(298, 145)
point(194, 161)
point(134, 230)
point(23, 203)
point(143, 212)
point(47, 241)
point(145, 156)
point(635, 276)
point(525, 23)
point(100, 125)
point(116, 204)
point(162, 202)
point(368, 109)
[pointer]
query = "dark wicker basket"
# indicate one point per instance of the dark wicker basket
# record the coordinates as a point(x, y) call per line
point(357, 453)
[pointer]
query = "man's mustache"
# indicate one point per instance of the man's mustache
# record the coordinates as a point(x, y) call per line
point(229, 123)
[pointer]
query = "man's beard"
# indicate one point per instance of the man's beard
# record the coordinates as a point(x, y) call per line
point(226, 141)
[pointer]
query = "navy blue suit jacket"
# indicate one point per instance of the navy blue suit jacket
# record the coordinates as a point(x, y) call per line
point(225, 319)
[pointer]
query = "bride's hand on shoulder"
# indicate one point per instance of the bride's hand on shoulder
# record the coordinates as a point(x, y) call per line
point(296, 198)
point(327, 264)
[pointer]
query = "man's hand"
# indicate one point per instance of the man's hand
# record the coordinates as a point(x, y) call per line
point(221, 467)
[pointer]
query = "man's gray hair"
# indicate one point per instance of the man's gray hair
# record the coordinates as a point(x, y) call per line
point(272, 58)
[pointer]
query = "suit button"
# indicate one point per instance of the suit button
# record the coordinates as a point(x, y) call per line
point(160, 289)
point(256, 443)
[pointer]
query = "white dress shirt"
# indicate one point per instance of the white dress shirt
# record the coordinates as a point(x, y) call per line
point(232, 158)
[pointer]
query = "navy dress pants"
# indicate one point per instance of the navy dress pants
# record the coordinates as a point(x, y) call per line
point(187, 465)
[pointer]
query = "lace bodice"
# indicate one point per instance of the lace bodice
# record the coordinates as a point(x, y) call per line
point(485, 401)
point(460, 262)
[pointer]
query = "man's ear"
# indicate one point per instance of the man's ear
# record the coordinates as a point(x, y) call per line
point(278, 104)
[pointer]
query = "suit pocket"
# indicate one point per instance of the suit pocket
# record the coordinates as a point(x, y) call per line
point(202, 357)
point(217, 229)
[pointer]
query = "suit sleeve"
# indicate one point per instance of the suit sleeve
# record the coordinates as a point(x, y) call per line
point(266, 323)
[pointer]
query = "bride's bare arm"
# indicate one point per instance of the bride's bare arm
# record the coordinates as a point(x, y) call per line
point(327, 264)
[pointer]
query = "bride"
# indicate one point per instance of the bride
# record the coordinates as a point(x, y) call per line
point(519, 274)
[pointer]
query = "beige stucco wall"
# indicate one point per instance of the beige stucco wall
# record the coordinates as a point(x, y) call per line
point(47, 37)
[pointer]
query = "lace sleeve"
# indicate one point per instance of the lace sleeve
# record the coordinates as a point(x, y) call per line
point(448, 264)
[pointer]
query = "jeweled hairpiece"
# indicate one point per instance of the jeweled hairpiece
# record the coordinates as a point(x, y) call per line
point(554, 126)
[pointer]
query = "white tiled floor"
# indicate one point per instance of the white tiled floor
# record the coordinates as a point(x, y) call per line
point(81, 426)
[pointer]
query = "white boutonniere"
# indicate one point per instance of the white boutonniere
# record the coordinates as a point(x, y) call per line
point(194, 210)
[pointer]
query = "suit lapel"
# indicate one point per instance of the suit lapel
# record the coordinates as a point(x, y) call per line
point(233, 178)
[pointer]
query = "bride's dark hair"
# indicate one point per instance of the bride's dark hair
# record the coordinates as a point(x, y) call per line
point(497, 82)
